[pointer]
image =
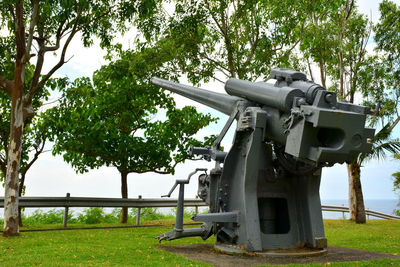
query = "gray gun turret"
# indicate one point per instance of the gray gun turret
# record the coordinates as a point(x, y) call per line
point(266, 196)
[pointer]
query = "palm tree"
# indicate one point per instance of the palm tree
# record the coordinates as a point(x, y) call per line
point(382, 145)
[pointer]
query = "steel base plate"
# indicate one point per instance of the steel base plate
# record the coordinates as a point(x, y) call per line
point(301, 252)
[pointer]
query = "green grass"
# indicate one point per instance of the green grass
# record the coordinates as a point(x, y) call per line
point(111, 247)
point(136, 246)
point(375, 235)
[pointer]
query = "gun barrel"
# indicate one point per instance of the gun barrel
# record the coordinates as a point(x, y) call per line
point(221, 102)
point(264, 93)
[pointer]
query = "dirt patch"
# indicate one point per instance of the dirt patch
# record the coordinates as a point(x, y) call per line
point(206, 253)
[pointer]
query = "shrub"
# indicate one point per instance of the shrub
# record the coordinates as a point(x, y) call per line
point(113, 217)
point(148, 214)
point(53, 216)
point(91, 216)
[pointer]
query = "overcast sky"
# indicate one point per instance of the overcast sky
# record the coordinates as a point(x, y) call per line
point(50, 176)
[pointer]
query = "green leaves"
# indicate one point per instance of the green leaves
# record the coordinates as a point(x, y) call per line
point(381, 144)
point(119, 119)
point(243, 39)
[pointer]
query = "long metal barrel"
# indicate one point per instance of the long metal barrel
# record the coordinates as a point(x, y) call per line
point(264, 93)
point(221, 102)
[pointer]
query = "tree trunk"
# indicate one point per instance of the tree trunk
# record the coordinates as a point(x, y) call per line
point(14, 155)
point(356, 200)
point(124, 192)
point(322, 73)
point(20, 189)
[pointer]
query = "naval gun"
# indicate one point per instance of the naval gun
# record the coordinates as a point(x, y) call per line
point(263, 194)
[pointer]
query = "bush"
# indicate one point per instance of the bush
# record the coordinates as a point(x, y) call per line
point(187, 212)
point(91, 216)
point(97, 215)
point(53, 216)
point(149, 214)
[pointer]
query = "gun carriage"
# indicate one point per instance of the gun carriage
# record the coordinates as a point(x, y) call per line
point(263, 194)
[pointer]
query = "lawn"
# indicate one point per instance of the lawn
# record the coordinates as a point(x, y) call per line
point(136, 246)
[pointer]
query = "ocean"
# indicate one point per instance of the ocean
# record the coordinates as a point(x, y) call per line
point(382, 205)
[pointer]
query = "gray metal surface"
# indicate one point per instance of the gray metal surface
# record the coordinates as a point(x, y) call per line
point(264, 193)
point(221, 102)
point(264, 93)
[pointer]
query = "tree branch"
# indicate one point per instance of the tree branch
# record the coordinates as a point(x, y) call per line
point(220, 67)
point(253, 40)
point(32, 25)
point(59, 34)
point(61, 62)
point(213, 16)
point(19, 35)
point(38, 151)
point(10, 8)
point(394, 124)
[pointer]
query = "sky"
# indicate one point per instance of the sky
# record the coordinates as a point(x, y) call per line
point(51, 176)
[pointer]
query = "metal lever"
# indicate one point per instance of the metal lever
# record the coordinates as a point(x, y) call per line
point(184, 181)
point(178, 231)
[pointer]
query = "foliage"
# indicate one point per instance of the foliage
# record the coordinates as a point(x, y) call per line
point(114, 120)
point(385, 69)
point(387, 36)
point(91, 216)
point(242, 39)
point(381, 145)
point(94, 216)
point(388, 45)
point(319, 41)
point(34, 135)
point(396, 175)
point(54, 216)
point(48, 26)
point(150, 214)
point(337, 42)
point(396, 212)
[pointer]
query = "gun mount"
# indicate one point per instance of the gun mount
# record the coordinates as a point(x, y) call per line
point(266, 195)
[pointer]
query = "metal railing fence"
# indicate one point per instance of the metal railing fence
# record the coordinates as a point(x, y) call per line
point(139, 203)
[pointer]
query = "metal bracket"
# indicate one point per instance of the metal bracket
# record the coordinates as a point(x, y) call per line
point(224, 130)
point(232, 216)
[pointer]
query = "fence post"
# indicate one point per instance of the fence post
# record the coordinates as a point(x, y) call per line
point(344, 218)
point(66, 211)
point(138, 213)
point(196, 209)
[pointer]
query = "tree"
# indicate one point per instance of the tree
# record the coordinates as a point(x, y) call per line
point(34, 136)
point(35, 29)
point(388, 45)
point(319, 39)
point(34, 140)
point(336, 41)
point(115, 120)
point(243, 39)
